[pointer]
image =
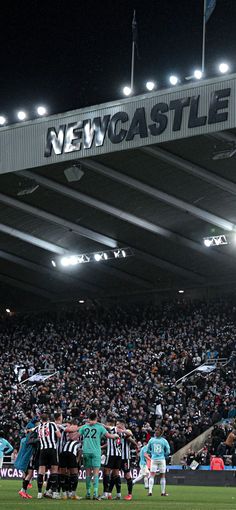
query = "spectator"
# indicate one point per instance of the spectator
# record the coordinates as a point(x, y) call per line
point(217, 463)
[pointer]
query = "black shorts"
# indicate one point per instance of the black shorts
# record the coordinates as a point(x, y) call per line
point(113, 462)
point(34, 461)
point(125, 465)
point(68, 460)
point(48, 457)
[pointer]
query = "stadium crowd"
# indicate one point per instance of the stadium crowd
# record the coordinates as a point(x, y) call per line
point(124, 362)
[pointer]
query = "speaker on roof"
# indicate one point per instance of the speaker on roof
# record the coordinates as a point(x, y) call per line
point(74, 173)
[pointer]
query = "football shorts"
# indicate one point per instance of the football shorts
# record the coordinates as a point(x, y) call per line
point(158, 465)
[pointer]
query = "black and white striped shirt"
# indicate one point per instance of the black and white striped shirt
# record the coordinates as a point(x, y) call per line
point(63, 439)
point(72, 447)
point(125, 448)
point(47, 435)
point(113, 445)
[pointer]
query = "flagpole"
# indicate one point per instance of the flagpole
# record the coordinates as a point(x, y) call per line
point(204, 38)
point(132, 68)
point(134, 43)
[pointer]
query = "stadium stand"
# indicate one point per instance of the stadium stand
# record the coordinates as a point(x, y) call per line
point(123, 361)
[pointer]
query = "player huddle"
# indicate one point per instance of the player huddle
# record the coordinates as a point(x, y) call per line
point(58, 447)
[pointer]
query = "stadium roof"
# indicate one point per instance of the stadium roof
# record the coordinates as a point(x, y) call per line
point(155, 173)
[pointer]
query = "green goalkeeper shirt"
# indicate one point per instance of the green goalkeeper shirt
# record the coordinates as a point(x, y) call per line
point(92, 435)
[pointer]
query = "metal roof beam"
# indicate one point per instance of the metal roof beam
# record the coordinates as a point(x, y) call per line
point(28, 238)
point(191, 168)
point(118, 213)
point(15, 282)
point(148, 190)
point(58, 275)
point(128, 217)
point(53, 248)
point(169, 266)
point(40, 213)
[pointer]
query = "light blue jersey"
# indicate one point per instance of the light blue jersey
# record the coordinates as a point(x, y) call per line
point(142, 459)
point(158, 448)
point(5, 447)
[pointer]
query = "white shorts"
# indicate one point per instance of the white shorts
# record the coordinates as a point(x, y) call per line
point(144, 471)
point(158, 465)
point(1, 462)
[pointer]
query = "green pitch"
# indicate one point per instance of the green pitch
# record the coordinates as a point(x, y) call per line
point(180, 498)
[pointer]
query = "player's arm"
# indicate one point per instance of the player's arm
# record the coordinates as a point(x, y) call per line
point(132, 441)
point(147, 457)
point(111, 436)
point(149, 447)
point(8, 446)
point(167, 449)
point(104, 446)
point(126, 432)
point(71, 428)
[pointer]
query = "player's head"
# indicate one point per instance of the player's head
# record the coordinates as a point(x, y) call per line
point(158, 431)
point(93, 417)
point(120, 424)
point(58, 418)
point(44, 417)
point(111, 420)
point(1, 433)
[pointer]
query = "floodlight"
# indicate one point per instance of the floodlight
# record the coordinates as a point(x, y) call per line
point(97, 257)
point(224, 67)
point(21, 115)
point(173, 80)
point(181, 291)
point(198, 74)
point(65, 261)
point(8, 310)
point(53, 263)
point(41, 110)
point(123, 253)
point(81, 301)
point(2, 120)
point(150, 85)
point(215, 240)
point(127, 91)
point(73, 260)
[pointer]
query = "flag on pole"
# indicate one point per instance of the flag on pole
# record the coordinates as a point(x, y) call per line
point(135, 33)
point(210, 6)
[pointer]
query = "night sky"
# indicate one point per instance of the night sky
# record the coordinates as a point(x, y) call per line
point(71, 54)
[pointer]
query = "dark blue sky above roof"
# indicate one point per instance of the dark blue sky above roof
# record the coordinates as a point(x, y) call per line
point(73, 54)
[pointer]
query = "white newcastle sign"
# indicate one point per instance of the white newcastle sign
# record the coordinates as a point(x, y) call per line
point(142, 120)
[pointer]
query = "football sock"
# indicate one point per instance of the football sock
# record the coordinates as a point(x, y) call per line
point(151, 483)
point(118, 484)
point(54, 482)
point(106, 481)
point(73, 482)
point(58, 482)
point(146, 482)
point(88, 485)
point(63, 483)
point(112, 483)
point(129, 485)
point(25, 484)
point(138, 479)
point(163, 485)
point(95, 485)
point(66, 483)
point(40, 482)
point(49, 483)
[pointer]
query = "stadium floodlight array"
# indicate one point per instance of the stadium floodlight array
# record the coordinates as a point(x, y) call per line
point(215, 240)
point(99, 256)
